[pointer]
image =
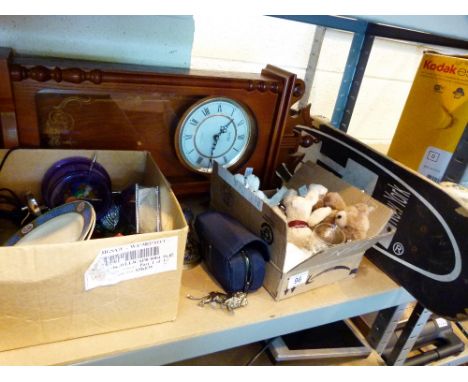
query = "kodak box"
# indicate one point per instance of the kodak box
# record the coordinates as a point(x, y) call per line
point(289, 272)
point(435, 118)
point(43, 293)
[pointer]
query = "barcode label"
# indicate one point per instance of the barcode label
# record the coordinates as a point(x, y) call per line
point(434, 163)
point(143, 253)
point(434, 178)
point(131, 261)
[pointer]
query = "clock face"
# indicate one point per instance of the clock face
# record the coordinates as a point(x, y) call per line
point(214, 129)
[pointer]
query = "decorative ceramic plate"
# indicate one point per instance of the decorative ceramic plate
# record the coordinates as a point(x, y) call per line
point(92, 225)
point(67, 223)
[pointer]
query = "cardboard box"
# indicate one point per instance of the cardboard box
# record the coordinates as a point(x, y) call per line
point(283, 278)
point(42, 287)
point(434, 119)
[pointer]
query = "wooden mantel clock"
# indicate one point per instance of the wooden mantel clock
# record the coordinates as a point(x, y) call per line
point(186, 119)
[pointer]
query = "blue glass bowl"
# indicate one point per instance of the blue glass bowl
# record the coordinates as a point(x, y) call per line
point(63, 167)
point(82, 185)
point(77, 178)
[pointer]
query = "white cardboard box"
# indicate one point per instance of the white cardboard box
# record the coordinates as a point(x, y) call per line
point(42, 287)
point(328, 266)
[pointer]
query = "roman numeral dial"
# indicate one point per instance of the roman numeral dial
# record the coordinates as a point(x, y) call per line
point(215, 129)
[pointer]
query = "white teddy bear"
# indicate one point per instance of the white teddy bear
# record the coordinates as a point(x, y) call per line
point(298, 210)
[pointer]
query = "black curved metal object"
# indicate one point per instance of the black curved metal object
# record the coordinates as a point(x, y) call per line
point(428, 254)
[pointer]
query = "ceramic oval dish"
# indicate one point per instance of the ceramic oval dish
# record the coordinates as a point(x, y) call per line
point(67, 223)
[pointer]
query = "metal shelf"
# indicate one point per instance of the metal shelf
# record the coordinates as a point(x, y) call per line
point(365, 32)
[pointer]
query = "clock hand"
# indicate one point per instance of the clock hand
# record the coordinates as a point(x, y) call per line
point(215, 142)
point(224, 128)
point(216, 137)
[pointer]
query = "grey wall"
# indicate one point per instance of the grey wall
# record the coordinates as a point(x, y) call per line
point(149, 40)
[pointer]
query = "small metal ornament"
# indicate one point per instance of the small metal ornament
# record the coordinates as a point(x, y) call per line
point(32, 208)
point(230, 301)
point(111, 218)
point(192, 256)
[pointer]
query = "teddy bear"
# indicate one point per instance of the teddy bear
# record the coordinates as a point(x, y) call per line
point(301, 219)
point(354, 221)
point(332, 200)
point(301, 222)
point(316, 192)
point(324, 203)
point(298, 210)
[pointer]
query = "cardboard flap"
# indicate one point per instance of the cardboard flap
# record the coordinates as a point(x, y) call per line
point(265, 223)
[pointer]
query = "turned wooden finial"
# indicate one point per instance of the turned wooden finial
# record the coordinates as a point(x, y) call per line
point(42, 74)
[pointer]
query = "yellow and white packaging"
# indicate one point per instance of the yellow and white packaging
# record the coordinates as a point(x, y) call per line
point(435, 115)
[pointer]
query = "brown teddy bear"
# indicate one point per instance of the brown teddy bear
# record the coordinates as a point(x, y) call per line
point(354, 221)
point(332, 200)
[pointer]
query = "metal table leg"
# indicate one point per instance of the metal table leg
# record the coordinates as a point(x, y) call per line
point(409, 335)
point(384, 326)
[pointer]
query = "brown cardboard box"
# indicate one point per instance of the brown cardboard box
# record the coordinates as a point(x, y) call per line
point(42, 287)
point(284, 279)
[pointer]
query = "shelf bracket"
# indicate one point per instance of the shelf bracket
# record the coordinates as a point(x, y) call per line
point(353, 75)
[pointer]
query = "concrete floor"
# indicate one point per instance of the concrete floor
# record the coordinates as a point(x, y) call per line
point(240, 356)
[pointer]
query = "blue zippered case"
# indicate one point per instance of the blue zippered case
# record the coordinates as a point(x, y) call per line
point(233, 255)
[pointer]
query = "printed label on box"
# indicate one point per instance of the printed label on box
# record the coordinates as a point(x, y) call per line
point(132, 261)
point(434, 163)
point(298, 279)
point(441, 322)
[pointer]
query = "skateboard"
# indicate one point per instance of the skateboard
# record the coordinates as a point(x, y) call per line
point(428, 254)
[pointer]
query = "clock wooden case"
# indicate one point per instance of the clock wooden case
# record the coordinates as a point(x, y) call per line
point(61, 103)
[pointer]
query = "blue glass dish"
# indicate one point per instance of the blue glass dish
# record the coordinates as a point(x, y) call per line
point(82, 185)
point(63, 167)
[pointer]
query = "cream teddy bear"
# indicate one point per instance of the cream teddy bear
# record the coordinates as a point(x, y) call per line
point(298, 210)
point(320, 211)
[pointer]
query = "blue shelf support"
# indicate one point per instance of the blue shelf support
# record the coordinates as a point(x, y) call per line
point(356, 63)
point(365, 29)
